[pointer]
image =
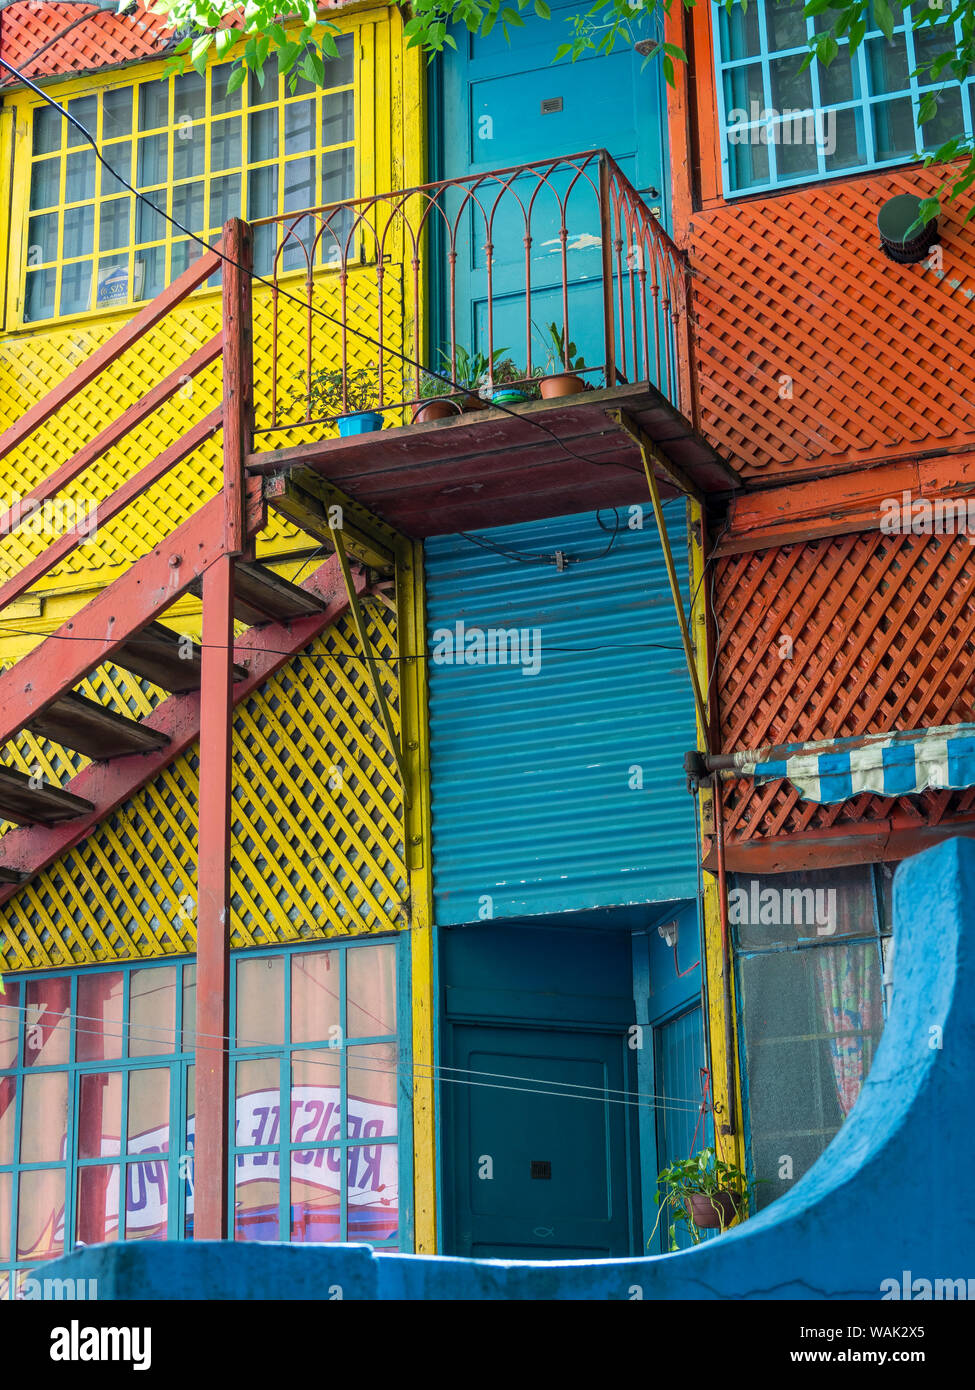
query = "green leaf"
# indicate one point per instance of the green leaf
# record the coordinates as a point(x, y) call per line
point(288, 55)
point(826, 49)
point(236, 79)
point(883, 14)
point(198, 53)
point(542, 10)
point(668, 67)
point(226, 38)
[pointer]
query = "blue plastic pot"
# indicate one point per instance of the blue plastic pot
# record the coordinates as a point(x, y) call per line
point(508, 395)
point(364, 422)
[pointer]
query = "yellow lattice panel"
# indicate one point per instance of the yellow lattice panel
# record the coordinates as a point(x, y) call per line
point(318, 825)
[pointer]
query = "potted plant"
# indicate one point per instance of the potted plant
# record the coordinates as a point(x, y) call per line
point(354, 415)
point(702, 1192)
point(508, 383)
point(563, 365)
point(437, 402)
point(474, 372)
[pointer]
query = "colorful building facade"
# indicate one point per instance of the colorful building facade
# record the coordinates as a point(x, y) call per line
point(498, 954)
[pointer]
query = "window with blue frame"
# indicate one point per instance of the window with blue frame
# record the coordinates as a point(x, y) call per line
point(782, 126)
point(813, 952)
point(97, 1102)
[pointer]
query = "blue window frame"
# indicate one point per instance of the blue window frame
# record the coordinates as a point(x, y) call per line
point(780, 126)
point(321, 1075)
point(97, 1101)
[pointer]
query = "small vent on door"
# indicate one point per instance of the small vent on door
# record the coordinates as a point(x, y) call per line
point(541, 1168)
point(551, 104)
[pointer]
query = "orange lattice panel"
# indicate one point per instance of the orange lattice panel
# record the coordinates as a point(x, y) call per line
point(103, 40)
point(882, 632)
point(814, 351)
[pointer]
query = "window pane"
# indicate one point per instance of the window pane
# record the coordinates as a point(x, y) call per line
point(314, 996)
point(373, 1192)
point(742, 86)
point(40, 1215)
point(316, 1114)
point(946, 123)
point(85, 111)
point(887, 64)
point(189, 151)
point(791, 89)
point(371, 991)
point(152, 1012)
point(187, 206)
point(189, 96)
point(316, 1195)
point(6, 1203)
point(98, 1190)
point(338, 118)
point(151, 225)
point(145, 1201)
point(39, 294)
point(42, 239)
point(79, 178)
point(930, 41)
point(47, 1021)
point(44, 1117)
point(8, 1114)
point(785, 25)
point(148, 1125)
point(47, 130)
point(153, 161)
point(9, 1024)
point(112, 286)
point(116, 113)
point(153, 105)
point(100, 1114)
point(189, 1008)
point(260, 1001)
point(150, 272)
point(45, 185)
point(339, 71)
point(894, 131)
point(262, 135)
point(225, 200)
point(338, 176)
point(299, 126)
point(120, 158)
point(256, 1193)
point(113, 228)
point(372, 1088)
point(258, 1102)
point(225, 151)
point(299, 184)
point(841, 80)
point(76, 287)
point(845, 146)
point(795, 150)
point(79, 230)
point(219, 100)
point(812, 905)
point(185, 1171)
point(262, 193)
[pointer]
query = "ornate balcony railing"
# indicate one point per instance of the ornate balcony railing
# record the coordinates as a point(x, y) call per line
point(376, 298)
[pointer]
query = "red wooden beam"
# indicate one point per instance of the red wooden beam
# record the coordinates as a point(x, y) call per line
point(138, 596)
point(215, 845)
point(238, 377)
point(118, 501)
point(111, 434)
point(109, 352)
point(107, 785)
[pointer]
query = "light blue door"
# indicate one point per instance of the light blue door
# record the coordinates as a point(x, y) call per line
point(678, 1052)
point(511, 105)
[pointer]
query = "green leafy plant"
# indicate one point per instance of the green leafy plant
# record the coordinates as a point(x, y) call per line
point(474, 369)
point(562, 357)
point(705, 1174)
point(323, 394)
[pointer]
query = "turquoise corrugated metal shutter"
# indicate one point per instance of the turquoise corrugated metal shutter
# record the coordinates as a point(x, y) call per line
point(533, 811)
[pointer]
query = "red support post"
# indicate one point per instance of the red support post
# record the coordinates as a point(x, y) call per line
point(238, 376)
point(210, 1166)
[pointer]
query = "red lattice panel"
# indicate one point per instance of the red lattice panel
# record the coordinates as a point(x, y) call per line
point(883, 637)
point(793, 293)
point(103, 40)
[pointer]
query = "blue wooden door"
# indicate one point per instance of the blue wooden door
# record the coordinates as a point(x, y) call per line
point(678, 1052)
point(511, 105)
point(536, 1157)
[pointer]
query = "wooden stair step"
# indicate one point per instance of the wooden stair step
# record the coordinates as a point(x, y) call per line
point(44, 805)
point(90, 728)
point(11, 875)
point(261, 596)
point(154, 654)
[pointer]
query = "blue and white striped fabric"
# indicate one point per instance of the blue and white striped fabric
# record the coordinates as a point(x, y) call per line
point(895, 764)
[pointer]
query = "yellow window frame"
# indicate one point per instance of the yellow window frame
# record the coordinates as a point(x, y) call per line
point(376, 159)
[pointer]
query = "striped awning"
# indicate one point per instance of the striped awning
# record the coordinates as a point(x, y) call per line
point(896, 764)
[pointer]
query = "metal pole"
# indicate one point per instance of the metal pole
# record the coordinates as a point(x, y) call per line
point(210, 1165)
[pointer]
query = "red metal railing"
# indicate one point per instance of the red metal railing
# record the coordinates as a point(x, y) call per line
point(568, 241)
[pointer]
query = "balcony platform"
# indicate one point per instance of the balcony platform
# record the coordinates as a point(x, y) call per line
point(497, 467)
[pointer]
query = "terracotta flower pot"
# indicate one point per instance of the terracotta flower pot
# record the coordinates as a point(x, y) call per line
point(565, 384)
point(472, 402)
point(437, 409)
point(712, 1210)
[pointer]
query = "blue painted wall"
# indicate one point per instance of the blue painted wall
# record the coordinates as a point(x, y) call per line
point(537, 802)
point(858, 1225)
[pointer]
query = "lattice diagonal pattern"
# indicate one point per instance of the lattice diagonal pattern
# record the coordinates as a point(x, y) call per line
point(103, 40)
point(811, 346)
point(319, 845)
point(31, 364)
point(883, 637)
